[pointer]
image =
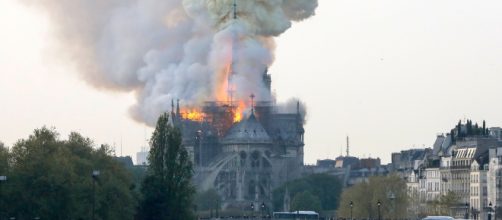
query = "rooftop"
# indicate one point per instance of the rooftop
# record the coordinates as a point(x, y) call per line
point(247, 131)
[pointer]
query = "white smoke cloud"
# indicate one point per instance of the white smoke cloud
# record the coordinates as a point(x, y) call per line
point(172, 49)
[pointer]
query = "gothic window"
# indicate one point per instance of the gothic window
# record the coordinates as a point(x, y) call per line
point(255, 159)
point(243, 156)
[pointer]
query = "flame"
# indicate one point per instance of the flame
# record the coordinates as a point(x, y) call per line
point(237, 117)
point(224, 73)
point(238, 111)
point(192, 114)
point(225, 88)
point(224, 92)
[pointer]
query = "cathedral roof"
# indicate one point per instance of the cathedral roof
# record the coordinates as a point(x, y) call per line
point(248, 131)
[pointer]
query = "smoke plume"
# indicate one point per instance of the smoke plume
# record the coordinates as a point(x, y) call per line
point(173, 49)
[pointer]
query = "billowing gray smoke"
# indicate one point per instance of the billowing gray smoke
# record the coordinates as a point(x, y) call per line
point(173, 49)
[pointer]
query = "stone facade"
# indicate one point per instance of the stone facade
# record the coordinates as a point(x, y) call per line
point(244, 161)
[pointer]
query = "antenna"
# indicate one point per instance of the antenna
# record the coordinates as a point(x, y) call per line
point(298, 107)
point(348, 146)
point(172, 105)
point(178, 108)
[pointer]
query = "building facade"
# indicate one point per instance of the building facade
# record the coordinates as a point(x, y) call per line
point(243, 160)
point(478, 189)
point(465, 164)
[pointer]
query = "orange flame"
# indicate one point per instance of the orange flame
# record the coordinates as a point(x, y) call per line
point(224, 72)
point(238, 111)
point(237, 117)
point(224, 91)
point(192, 115)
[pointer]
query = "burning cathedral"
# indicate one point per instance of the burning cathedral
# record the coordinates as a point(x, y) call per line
point(242, 147)
point(243, 159)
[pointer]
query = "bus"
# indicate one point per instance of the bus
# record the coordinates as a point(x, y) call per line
point(298, 215)
point(438, 218)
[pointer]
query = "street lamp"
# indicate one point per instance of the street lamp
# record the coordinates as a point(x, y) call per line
point(473, 212)
point(495, 212)
point(351, 204)
point(490, 211)
point(392, 197)
point(262, 209)
point(252, 209)
point(466, 210)
point(379, 204)
point(95, 174)
point(199, 140)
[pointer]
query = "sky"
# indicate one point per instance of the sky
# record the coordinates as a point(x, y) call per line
point(389, 74)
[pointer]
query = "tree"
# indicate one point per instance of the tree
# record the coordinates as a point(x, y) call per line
point(306, 201)
point(51, 178)
point(4, 169)
point(325, 187)
point(4, 159)
point(390, 190)
point(445, 202)
point(207, 200)
point(167, 189)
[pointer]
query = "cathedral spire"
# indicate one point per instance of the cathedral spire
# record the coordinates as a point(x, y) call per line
point(231, 72)
point(252, 103)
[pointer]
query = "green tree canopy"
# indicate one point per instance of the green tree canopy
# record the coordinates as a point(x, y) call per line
point(306, 201)
point(51, 178)
point(323, 186)
point(167, 189)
